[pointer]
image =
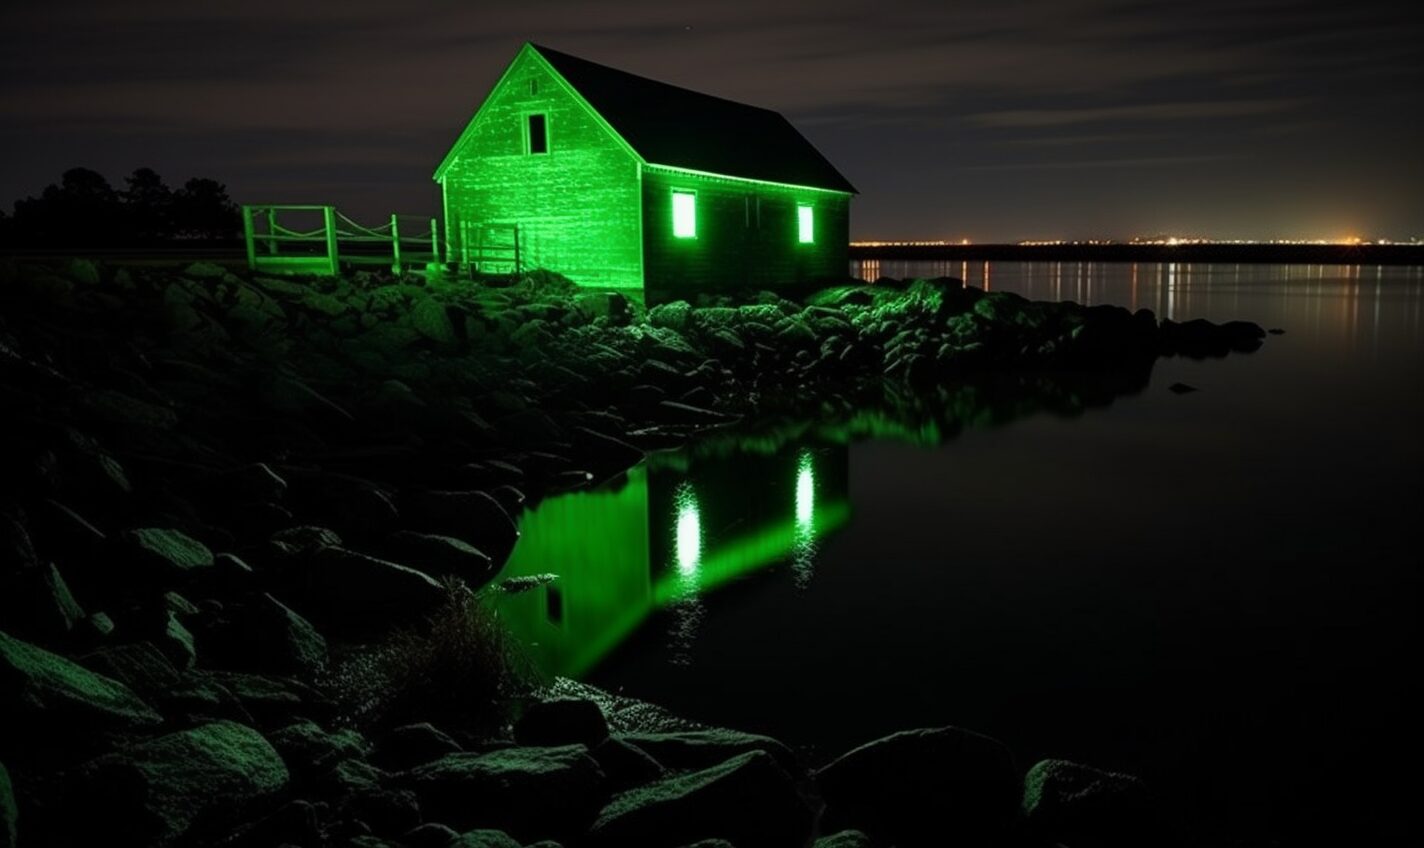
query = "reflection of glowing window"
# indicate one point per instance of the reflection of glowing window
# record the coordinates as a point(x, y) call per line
point(805, 491)
point(684, 214)
point(688, 530)
point(805, 224)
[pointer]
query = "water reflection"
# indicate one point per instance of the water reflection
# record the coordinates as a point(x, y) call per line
point(682, 525)
point(1375, 309)
point(658, 540)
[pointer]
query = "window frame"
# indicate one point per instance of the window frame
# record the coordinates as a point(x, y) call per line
point(529, 134)
point(691, 232)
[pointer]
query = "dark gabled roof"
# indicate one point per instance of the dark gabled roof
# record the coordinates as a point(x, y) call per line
point(676, 127)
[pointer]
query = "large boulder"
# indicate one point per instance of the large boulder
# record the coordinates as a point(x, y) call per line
point(562, 721)
point(63, 707)
point(353, 594)
point(532, 793)
point(474, 516)
point(440, 556)
point(930, 786)
point(1080, 805)
point(174, 787)
point(307, 749)
point(261, 634)
point(412, 745)
point(36, 603)
point(166, 554)
point(695, 749)
point(748, 800)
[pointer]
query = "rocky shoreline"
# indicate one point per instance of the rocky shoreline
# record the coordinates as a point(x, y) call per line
point(237, 509)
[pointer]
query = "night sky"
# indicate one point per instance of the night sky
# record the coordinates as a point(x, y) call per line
point(992, 122)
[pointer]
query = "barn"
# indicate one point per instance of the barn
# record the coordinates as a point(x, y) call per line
point(618, 181)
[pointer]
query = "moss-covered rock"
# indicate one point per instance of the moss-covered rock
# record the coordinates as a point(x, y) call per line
point(748, 800)
point(174, 787)
point(61, 705)
point(532, 793)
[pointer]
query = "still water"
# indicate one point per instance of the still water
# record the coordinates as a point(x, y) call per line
point(1217, 590)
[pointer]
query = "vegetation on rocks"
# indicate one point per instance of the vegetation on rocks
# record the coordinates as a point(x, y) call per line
point(251, 528)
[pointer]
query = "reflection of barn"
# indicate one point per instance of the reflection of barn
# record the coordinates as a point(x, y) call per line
point(660, 539)
point(616, 180)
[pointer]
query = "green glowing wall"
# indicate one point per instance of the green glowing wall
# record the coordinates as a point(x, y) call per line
point(748, 235)
point(577, 206)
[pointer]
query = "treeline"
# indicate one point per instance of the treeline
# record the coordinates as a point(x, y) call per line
point(84, 211)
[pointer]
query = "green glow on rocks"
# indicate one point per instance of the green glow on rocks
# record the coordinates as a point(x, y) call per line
point(684, 214)
point(805, 224)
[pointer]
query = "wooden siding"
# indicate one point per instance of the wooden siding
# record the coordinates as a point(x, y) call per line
point(577, 207)
point(747, 236)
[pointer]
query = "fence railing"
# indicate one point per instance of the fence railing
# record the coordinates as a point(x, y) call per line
point(276, 242)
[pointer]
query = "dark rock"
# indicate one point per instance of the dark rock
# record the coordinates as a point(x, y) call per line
point(693, 749)
point(561, 721)
point(474, 516)
point(412, 745)
point(261, 634)
point(294, 823)
point(389, 812)
point(174, 786)
point(844, 839)
point(353, 594)
point(307, 749)
point(431, 835)
point(144, 669)
point(484, 839)
point(673, 316)
point(440, 556)
point(530, 792)
point(625, 764)
point(274, 701)
point(307, 537)
point(1081, 805)
point(9, 812)
point(912, 788)
point(1181, 389)
point(748, 800)
point(167, 554)
point(254, 481)
point(36, 603)
point(63, 707)
point(673, 412)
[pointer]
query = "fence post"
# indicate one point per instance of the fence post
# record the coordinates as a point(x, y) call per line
point(271, 231)
point(517, 265)
point(247, 237)
point(328, 214)
point(434, 242)
point(395, 245)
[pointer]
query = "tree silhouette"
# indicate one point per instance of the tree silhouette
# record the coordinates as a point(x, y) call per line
point(83, 210)
point(148, 206)
point(204, 211)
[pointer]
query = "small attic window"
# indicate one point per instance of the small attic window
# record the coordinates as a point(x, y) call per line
point(533, 87)
point(538, 134)
point(805, 224)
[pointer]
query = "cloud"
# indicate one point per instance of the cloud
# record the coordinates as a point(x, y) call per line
point(1134, 113)
point(1079, 165)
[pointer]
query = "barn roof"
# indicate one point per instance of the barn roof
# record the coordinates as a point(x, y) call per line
point(680, 128)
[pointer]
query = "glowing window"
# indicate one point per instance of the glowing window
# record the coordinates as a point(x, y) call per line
point(805, 225)
point(684, 214)
point(538, 134)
